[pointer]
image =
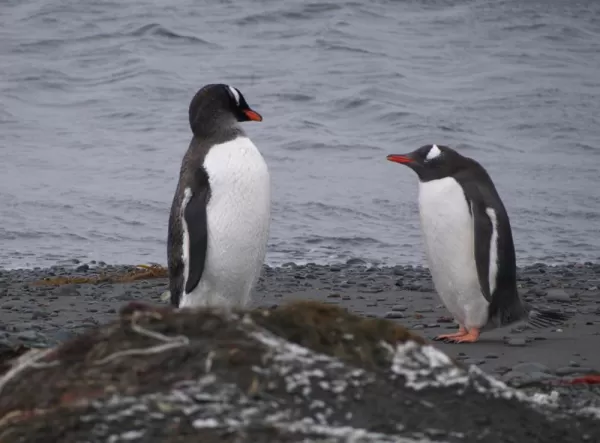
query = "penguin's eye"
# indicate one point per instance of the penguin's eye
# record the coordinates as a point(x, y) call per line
point(433, 153)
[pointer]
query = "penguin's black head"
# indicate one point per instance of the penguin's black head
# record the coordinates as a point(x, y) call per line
point(219, 102)
point(431, 162)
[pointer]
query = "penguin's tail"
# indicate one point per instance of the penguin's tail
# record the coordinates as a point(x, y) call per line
point(545, 318)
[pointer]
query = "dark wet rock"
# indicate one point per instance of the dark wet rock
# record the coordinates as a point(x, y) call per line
point(305, 372)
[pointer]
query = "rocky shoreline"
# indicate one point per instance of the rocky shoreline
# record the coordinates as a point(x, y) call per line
point(36, 311)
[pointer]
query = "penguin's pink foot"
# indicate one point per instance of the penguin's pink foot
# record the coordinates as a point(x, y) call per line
point(471, 337)
point(461, 333)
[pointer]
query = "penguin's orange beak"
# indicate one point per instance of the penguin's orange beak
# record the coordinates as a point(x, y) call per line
point(397, 158)
point(253, 115)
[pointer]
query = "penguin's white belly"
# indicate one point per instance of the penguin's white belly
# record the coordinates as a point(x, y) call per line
point(238, 219)
point(449, 243)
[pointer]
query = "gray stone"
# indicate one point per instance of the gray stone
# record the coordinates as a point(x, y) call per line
point(394, 314)
point(570, 370)
point(28, 335)
point(558, 294)
point(530, 367)
point(516, 342)
point(70, 290)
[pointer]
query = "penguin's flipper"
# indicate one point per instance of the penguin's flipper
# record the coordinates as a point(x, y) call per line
point(195, 218)
point(483, 230)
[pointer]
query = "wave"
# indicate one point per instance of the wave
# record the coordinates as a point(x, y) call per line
point(352, 241)
point(157, 30)
point(304, 12)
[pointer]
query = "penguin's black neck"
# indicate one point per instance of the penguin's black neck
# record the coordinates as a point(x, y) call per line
point(218, 127)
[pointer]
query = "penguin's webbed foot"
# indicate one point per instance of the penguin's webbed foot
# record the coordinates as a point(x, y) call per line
point(471, 337)
point(450, 337)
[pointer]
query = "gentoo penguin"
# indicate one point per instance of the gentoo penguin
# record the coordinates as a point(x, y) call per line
point(220, 215)
point(469, 244)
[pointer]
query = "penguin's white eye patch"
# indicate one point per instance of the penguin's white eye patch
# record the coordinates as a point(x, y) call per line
point(434, 152)
point(236, 95)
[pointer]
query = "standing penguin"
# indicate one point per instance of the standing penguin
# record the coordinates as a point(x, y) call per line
point(220, 215)
point(469, 244)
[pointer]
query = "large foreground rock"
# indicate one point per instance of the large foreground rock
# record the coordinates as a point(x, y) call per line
point(305, 372)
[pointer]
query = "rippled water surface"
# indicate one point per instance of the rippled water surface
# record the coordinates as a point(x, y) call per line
point(93, 119)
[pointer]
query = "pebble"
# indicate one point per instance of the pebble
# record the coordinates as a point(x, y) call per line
point(356, 262)
point(530, 367)
point(394, 314)
point(427, 287)
point(516, 342)
point(516, 377)
point(570, 370)
point(66, 291)
point(28, 335)
point(37, 315)
point(557, 294)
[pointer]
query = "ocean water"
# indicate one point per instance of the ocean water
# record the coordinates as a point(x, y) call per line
point(93, 119)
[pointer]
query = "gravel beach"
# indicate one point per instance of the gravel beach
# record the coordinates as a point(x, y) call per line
point(42, 315)
point(40, 309)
